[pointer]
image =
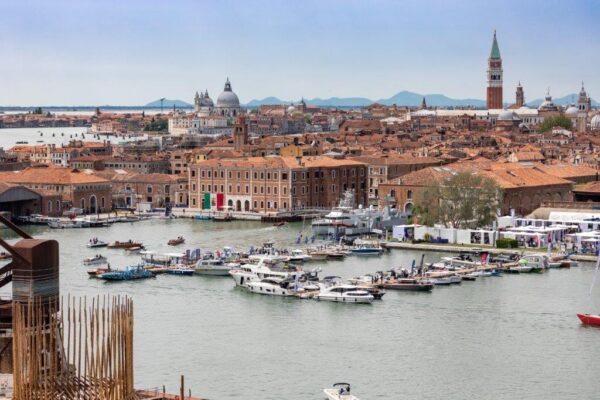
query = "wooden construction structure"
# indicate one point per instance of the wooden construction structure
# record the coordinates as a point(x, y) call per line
point(77, 351)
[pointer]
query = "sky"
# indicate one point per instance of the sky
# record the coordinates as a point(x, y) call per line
point(131, 52)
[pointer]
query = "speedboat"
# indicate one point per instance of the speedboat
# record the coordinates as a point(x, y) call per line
point(366, 250)
point(214, 267)
point(589, 319)
point(96, 243)
point(447, 280)
point(339, 391)
point(180, 270)
point(97, 259)
point(344, 294)
point(298, 255)
point(177, 241)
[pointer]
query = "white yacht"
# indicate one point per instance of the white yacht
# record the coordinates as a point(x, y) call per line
point(264, 268)
point(344, 294)
point(279, 287)
point(214, 267)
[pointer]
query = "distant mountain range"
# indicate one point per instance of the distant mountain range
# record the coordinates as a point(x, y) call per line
point(409, 99)
point(404, 98)
point(168, 104)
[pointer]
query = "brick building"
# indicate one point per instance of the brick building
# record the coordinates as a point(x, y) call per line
point(524, 188)
point(76, 189)
point(271, 184)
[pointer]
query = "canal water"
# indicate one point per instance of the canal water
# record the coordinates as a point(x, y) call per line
point(511, 337)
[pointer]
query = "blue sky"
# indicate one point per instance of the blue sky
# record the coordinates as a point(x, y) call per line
point(130, 52)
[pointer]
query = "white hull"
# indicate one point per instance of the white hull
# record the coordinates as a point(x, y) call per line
point(345, 299)
point(333, 394)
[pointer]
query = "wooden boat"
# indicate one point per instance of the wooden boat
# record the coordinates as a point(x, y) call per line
point(96, 272)
point(175, 242)
point(124, 245)
point(412, 284)
point(134, 249)
point(589, 319)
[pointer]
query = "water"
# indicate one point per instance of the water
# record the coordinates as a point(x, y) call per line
point(10, 136)
point(498, 338)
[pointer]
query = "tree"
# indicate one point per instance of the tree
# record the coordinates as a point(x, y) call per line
point(464, 200)
point(551, 122)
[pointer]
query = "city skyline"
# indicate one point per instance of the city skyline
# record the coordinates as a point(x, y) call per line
point(81, 53)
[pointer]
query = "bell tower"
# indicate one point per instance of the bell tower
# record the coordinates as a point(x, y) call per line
point(520, 96)
point(494, 78)
point(240, 133)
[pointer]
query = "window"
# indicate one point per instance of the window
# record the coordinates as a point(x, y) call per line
point(255, 204)
point(284, 176)
point(229, 174)
point(239, 175)
point(275, 176)
point(222, 174)
point(102, 202)
point(193, 173)
point(268, 175)
point(275, 190)
point(333, 173)
point(409, 195)
point(208, 172)
point(167, 189)
point(262, 175)
point(222, 188)
point(49, 210)
point(262, 204)
point(247, 189)
point(333, 188)
point(262, 189)
point(193, 201)
point(255, 189)
point(256, 175)
point(284, 190)
point(275, 205)
point(293, 176)
point(247, 175)
point(194, 187)
point(229, 189)
point(149, 189)
point(268, 189)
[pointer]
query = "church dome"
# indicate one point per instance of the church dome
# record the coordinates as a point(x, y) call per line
point(206, 101)
point(572, 111)
point(506, 115)
point(228, 99)
point(291, 108)
point(548, 104)
point(595, 122)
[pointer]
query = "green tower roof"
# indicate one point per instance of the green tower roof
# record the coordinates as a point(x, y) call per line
point(495, 54)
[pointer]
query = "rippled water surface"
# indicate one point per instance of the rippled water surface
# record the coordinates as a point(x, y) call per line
point(513, 337)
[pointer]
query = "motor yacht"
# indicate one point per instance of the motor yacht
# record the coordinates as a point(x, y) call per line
point(214, 267)
point(344, 294)
point(298, 255)
point(263, 268)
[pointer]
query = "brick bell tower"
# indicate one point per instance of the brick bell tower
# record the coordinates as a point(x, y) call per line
point(494, 78)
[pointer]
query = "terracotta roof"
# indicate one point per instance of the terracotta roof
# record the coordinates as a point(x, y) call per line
point(50, 175)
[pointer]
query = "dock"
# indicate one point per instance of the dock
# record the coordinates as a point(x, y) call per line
point(159, 395)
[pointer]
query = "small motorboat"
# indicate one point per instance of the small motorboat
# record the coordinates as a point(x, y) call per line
point(298, 255)
point(175, 242)
point(180, 270)
point(367, 250)
point(339, 391)
point(278, 224)
point(93, 243)
point(97, 259)
point(96, 272)
point(589, 319)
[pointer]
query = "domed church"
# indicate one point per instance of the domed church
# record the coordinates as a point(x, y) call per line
point(228, 103)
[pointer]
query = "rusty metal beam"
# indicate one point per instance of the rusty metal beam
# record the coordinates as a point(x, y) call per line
point(14, 228)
